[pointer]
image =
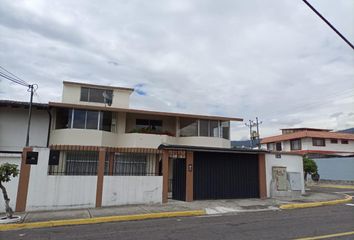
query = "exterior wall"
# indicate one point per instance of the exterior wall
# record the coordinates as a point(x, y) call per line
point(58, 192)
point(336, 168)
point(13, 128)
point(88, 137)
point(307, 145)
point(11, 187)
point(71, 94)
point(121, 190)
point(293, 163)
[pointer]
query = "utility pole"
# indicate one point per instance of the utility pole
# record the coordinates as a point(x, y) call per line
point(254, 135)
point(258, 141)
point(250, 125)
point(30, 89)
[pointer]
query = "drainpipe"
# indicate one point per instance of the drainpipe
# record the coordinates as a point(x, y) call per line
point(49, 125)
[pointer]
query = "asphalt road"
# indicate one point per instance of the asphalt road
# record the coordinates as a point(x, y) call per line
point(284, 224)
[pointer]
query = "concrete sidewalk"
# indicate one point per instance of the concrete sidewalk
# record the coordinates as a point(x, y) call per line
point(209, 206)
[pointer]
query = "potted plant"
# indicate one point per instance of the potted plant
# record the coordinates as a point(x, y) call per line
point(7, 171)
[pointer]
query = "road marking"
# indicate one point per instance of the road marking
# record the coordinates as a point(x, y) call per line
point(350, 204)
point(327, 236)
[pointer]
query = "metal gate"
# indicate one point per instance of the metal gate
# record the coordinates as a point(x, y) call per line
point(225, 175)
point(179, 179)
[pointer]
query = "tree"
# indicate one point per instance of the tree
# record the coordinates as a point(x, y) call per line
point(310, 167)
point(7, 171)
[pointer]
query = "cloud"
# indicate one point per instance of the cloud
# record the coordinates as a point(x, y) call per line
point(271, 59)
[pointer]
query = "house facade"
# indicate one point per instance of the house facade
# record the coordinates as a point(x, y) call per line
point(100, 152)
point(311, 141)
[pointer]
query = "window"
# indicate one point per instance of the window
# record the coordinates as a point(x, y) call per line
point(278, 146)
point(63, 118)
point(79, 118)
point(318, 142)
point(83, 119)
point(344, 141)
point(334, 141)
point(155, 125)
point(295, 144)
point(106, 121)
point(204, 128)
point(214, 128)
point(96, 95)
point(75, 163)
point(225, 129)
point(188, 127)
point(130, 165)
point(270, 146)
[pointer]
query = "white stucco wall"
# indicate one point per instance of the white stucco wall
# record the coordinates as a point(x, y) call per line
point(58, 192)
point(293, 163)
point(307, 145)
point(89, 137)
point(12, 186)
point(121, 190)
point(71, 94)
point(13, 128)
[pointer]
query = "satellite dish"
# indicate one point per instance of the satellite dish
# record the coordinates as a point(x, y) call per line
point(107, 98)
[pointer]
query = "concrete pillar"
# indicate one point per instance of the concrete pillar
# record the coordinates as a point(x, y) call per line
point(100, 176)
point(22, 190)
point(165, 156)
point(262, 176)
point(189, 176)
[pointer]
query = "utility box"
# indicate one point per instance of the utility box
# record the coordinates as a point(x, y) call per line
point(294, 179)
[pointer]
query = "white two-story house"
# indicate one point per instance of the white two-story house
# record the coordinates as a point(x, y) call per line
point(95, 115)
point(311, 141)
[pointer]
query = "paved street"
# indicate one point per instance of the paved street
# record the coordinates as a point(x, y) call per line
point(286, 224)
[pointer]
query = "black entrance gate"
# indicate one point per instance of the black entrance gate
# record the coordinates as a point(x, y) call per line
point(179, 179)
point(225, 175)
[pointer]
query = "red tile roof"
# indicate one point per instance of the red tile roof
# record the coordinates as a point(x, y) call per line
point(308, 134)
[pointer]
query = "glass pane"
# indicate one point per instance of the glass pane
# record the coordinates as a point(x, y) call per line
point(96, 95)
point(225, 129)
point(84, 94)
point(156, 125)
point(188, 127)
point(63, 118)
point(79, 118)
point(204, 128)
point(106, 121)
point(142, 123)
point(214, 129)
point(92, 120)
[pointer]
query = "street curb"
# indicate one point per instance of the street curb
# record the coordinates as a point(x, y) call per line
point(57, 223)
point(334, 186)
point(316, 204)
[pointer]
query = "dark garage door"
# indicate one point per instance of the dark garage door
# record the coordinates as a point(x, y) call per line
point(225, 175)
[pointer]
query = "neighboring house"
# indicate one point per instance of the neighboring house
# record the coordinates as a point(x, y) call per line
point(101, 152)
point(13, 125)
point(311, 141)
point(332, 151)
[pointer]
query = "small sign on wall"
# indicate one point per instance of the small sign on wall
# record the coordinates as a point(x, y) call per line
point(32, 158)
point(54, 157)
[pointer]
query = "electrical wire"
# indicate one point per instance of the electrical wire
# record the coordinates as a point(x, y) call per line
point(329, 24)
point(13, 79)
point(14, 76)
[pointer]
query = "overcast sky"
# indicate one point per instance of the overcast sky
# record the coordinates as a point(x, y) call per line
point(272, 59)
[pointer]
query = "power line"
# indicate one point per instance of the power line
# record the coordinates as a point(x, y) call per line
point(328, 23)
point(13, 79)
point(13, 75)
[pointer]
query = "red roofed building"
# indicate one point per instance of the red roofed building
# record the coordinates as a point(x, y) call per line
point(311, 141)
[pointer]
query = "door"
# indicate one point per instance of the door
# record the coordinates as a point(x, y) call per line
point(179, 179)
point(225, 175)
